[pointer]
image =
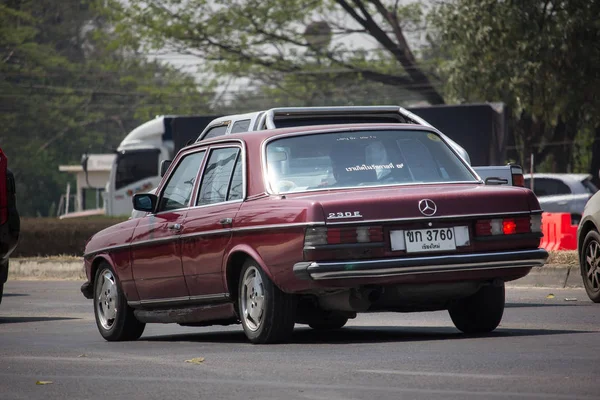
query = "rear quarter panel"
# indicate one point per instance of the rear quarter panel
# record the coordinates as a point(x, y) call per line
point(273, 227)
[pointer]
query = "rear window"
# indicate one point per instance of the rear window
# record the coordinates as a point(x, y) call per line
point(589, 186)
point(359, 159)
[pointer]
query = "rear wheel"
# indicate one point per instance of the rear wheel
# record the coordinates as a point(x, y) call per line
point(330, 322)
point(114, 318)
point(267, 313)
point(589, 261)
point(480, 312)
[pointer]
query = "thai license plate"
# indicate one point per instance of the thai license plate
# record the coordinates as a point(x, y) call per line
point(433, 239)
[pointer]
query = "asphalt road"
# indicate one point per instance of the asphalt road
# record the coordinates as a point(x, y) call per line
point(545, 348)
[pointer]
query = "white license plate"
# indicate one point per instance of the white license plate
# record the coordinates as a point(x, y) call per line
point(426, 240)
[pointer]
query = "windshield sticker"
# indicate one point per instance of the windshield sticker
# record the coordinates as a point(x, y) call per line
point(365, 167)
point(434, 137)
point(348, 138)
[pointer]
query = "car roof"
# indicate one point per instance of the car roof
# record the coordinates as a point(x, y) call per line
point(261, 135)
point(563, 177)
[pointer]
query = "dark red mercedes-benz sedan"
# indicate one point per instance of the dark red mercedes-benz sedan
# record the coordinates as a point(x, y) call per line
point(313, 225)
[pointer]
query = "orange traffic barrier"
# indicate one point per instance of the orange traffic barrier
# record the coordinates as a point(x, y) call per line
point(558, 232)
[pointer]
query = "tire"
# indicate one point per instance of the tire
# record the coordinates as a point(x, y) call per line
point(1, 291)
point(114, 318)
point(480, 312)
point(267, 313)
point(588, 261)
point(330, 322)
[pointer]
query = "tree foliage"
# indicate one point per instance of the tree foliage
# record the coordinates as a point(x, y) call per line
point(67, 86)
point(540, 58)
point(270, 41)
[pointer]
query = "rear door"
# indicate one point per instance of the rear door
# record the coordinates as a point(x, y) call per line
point(156, 247)
point(207, 227)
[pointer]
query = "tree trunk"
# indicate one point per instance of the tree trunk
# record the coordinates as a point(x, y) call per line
point(595, 163)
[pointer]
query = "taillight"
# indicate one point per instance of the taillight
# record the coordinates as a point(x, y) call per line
point(517, 176)
point(317, 236)
point(3, 188)
point(508, 226)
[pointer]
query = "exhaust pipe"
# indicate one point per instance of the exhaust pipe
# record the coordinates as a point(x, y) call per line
point(354, 300)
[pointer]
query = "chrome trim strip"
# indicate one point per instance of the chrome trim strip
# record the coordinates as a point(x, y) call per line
point(107, 248)
point(466, 262)
point(146, 242)
point(204, 233)
point(440, 217)
point(277, 226)
point(169, 300)
point(206, 297)
point(184, 299)
point(386, 272)
point(216, 204)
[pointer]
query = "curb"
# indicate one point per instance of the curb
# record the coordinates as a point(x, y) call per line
point(71, 268)
point(54, 268)
point(551, 275)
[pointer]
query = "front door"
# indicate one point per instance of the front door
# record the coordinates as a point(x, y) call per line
point(207, 227)
point(156, 245)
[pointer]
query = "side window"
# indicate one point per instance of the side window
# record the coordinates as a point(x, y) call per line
point(548, 187)
point(217, 175)
point(179, 188)
point(241, 126)
point(236, 188)
point(216, 131)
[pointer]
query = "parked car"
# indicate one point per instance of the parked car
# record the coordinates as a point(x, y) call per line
point(562, 193)
point(9, 219)
point(588, 246)
point(287, 117)
point(313, 225)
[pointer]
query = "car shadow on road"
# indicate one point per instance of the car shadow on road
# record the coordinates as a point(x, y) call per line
point(15, 294)
point(535, 305)
point(362, 334)
point(16, 320)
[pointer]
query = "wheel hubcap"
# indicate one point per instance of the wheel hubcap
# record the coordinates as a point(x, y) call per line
point(592, 259)
point(107, 299)
point(252, 299)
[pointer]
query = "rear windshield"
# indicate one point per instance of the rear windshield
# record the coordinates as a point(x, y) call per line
point(589, 186)
point(359, 159)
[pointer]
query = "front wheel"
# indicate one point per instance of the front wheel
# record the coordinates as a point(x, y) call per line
point(114, 318)
point(589, 261)
point(480, 312)
point(267, 313)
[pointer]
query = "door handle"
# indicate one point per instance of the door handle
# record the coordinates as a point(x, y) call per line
point(175, 227)
point(226, 221)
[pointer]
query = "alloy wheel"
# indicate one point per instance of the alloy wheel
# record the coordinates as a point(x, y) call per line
point(108, 298)
point(253, 299)
point(592, 269)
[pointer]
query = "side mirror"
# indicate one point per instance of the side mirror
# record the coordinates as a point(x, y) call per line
point(164, 166)
point(145, 202)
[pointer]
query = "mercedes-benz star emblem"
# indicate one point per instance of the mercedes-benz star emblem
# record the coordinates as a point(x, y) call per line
point(427, 207)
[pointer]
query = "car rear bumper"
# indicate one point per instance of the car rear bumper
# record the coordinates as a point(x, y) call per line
point(317, 270)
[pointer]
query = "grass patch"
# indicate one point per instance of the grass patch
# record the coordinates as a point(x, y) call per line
point(564, 257)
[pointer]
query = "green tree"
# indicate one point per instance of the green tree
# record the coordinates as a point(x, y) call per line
point(67, 85)
point(540, 58)
point(269, 42)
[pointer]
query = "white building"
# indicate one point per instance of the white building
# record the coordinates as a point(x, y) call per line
point(87, 199)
